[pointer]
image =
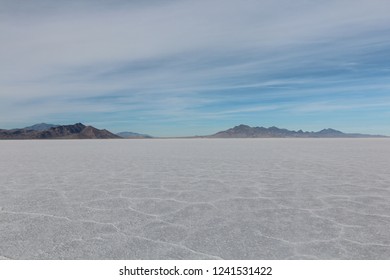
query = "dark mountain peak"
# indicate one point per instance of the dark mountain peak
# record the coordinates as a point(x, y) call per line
point(274, 128)
point(72, 126)
point(245, 131)
point(239, 130)
point(242, 126)
point(67, 129)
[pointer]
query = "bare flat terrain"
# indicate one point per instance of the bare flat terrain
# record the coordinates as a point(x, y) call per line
point(195, 199)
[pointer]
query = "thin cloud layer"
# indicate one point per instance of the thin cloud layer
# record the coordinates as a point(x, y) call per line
point(189, 67)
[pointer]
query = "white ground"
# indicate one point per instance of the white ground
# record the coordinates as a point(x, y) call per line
point(195, 199)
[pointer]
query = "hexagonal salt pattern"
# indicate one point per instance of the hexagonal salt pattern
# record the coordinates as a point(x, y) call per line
point(195, 199)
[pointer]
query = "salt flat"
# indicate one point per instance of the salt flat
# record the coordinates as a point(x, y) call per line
point(195, 199)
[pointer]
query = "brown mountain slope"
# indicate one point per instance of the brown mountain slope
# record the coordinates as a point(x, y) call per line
point(75, 131)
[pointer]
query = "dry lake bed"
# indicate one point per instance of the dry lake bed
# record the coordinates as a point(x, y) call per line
point(195, 199)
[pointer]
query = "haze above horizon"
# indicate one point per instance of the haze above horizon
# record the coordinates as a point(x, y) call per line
point(178, 68)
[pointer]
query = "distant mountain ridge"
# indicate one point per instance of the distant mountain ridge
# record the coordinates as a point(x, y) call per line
point(75, 131)
point(245, 131)
point(127, 134)
point(80, 131)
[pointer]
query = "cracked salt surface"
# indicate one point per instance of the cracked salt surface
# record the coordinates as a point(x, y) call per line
point(195, 199)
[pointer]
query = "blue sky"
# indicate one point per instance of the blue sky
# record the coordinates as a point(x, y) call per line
point(176, 68)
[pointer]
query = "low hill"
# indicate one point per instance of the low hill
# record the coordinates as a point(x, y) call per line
point(127, 134)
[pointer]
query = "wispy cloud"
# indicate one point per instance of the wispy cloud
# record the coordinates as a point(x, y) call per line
point(196, 64)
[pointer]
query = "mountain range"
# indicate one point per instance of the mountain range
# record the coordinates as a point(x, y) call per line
point(245, 131)
point(80, 131)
